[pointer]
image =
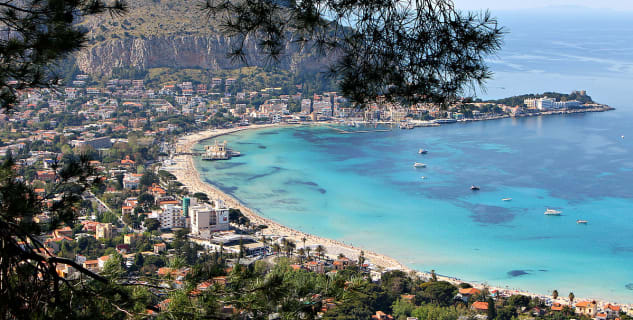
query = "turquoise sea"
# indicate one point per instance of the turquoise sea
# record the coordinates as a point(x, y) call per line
point(362, 188)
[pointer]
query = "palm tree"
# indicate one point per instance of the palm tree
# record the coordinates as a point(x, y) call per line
point(177, 262)
point(284, 244)
point(571, 298)
point(320, 250)
point(289, 247)
point(341, 256)
point(361, 259)
point(264, 241)
point(301, 252)
point(276, 248)
point(304, 241)
point(555, 294)
point(308, 249)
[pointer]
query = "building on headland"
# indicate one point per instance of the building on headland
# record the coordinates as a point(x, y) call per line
point(566, 104)
point(206, 219)
point(540, 103)
point(550, 103)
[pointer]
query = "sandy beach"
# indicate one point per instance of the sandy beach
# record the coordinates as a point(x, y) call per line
point(185, 171)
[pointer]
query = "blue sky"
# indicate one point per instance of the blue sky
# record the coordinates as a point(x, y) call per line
point(624, 5)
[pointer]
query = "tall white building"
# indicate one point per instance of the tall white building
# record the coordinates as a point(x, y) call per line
point(206, 219)
point(171, 216)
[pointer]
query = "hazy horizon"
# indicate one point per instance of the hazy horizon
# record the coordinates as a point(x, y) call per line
point(513, 5)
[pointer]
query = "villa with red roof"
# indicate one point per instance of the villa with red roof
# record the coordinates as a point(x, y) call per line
point(588, 308)
point(479, 306)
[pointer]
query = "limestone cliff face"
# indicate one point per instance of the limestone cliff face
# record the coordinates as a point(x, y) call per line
point(173, 34)
point(174, 51)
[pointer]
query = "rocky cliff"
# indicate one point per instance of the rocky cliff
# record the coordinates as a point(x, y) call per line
point(174, 34)
point(187, 51)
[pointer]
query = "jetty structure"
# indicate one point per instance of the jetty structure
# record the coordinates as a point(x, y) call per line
point(219, 151)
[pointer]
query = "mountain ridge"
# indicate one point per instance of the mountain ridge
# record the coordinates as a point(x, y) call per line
point(174, 34)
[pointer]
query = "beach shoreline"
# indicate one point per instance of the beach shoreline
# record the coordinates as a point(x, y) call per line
point(190, 177)
point(186, 173)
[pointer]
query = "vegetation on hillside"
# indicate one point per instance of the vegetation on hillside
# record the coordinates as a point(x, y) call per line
point(518, 100)
point(151, 18)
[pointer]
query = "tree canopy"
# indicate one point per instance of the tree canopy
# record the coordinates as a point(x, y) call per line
point(36, 35)
point(406, 51)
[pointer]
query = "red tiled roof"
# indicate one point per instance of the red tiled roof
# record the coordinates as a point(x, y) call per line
point(583, 304)
point(480, 305)
point(612, 307)
point(469, 291)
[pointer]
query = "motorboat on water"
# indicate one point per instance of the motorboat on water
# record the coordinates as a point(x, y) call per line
point(582, 221)
point(506, 199)
point(474, 188)
point(419, 165)
point(423, 177)
point(422, 151)
point(552, 212)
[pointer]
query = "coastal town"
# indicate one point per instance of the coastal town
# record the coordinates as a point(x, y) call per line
point(153, 218)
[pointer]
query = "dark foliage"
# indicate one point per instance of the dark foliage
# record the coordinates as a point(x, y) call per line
point(36, 34)
point(28, 277)
point(406, 51)
point(437, 292)
point(518, 100)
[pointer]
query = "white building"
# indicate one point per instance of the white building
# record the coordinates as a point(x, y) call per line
point(170, 216)
point(206, 219)
point(131, 180)
point(541, 103)
point(567, 104)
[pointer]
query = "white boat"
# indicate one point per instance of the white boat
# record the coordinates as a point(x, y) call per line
point(506, 199)
point(423, 177)
point(419, 165)
point(422, 151)
point(582, 221)
point(552, 212)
